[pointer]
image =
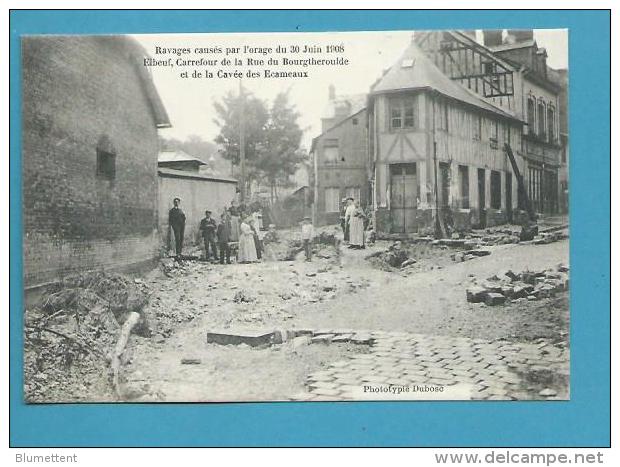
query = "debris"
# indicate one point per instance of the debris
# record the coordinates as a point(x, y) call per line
point(530, 285)
point(493, 299)
point(191, 361)
point(479, 252)
point(241, 296)
point(547, 392)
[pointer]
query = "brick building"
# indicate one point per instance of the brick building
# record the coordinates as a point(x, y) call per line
point(340, 157)
point(90, 117)
point(437, 151)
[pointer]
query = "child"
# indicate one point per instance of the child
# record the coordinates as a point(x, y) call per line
point(307, 234)
point(338, 240)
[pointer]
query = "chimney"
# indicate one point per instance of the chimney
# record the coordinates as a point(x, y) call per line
point(332, 92)
point(522, 35)
point(492, 37)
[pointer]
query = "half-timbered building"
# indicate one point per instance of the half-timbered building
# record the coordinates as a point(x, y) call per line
point(437, 151)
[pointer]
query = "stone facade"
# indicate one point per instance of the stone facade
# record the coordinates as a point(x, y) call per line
point(340, 157)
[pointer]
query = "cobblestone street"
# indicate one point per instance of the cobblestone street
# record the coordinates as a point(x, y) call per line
point(404, 365)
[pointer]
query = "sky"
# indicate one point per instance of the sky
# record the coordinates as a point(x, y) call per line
point(189, 102)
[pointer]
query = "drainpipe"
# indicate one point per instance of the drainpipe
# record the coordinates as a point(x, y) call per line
point(437, 222)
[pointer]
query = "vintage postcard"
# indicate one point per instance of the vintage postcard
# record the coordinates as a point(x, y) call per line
point(296, 216)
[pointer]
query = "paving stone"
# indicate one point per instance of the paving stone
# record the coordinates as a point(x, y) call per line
point(322, 339)
point(322, 384)
point(374, 379)
point(496, 397)
point(325, 392)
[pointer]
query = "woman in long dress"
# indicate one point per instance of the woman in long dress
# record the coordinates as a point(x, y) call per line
point(234, 224)
point(247, 249)
point(356, 237)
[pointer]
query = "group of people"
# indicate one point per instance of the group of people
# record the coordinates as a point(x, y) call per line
point(241, 229)
point(237, 227)
point(353, 222)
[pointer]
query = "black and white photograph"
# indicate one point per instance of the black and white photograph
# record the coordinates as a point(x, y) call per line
point(334, 216)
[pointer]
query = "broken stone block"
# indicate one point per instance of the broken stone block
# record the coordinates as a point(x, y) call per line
point(323, 339)
point(408, 262)
point(493, 299)
point(361, 339)
point(492, 287)
point(507, 291)
point(476, 294)
point(251, 338)
point(547, 392)
point(562, 267)
point(479, 252)
point(191, 361)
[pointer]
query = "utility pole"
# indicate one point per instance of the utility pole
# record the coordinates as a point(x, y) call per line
point(242, 141)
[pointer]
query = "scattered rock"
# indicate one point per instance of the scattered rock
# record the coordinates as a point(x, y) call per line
point(191, 361)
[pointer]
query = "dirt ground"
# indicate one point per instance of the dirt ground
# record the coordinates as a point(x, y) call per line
point(428, 298)
point(346, 293)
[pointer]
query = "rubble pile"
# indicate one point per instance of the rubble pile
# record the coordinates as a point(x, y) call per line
point(508, 286)
point(395, 256)
point(70, 332)
point(549, 237)
point(467, 255)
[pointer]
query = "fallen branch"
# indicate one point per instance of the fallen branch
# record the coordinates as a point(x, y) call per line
point(123, 337)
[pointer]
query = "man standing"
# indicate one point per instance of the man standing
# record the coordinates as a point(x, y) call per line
point(343, 208)
point(207, 228)
point(223, 237)
point(176, 221)
point(347, 219)
point(307, 235)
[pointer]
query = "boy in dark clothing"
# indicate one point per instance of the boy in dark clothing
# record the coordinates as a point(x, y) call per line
point(208, 227)
point(223, 237)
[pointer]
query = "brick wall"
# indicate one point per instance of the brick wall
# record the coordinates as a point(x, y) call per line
point(80, 93)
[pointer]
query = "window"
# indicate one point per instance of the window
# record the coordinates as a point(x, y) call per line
point(494, 134)
point(106, 159)
point(330, 151)
point(506, 131)
point(464, 186)
point(443, 117)
point(353, 192)
point(541, 120)
point(551, 124)
point(402, 112)
point(531, 115)
point(496, 189)
point(477, 127)
point(354, 121)
point(332, 199)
